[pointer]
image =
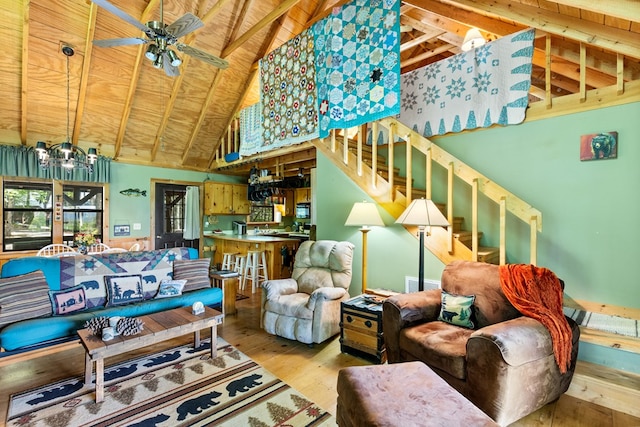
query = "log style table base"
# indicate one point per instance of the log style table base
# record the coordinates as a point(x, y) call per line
point(158, 327)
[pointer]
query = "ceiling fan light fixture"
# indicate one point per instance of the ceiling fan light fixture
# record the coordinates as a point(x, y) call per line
point(158, 62)
point(472, 40)
point(152, 52)
point(173, 58)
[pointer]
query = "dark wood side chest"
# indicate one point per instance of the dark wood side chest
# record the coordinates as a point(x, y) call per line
point(361, 329)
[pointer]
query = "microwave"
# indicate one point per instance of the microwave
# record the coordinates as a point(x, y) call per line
point(303, 210)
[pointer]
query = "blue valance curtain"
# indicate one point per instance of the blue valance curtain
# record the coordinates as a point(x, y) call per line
point(18, 160)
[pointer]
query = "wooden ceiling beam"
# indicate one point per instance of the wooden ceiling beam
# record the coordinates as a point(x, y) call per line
point(25, 73)
point(425, 37)
point(560, 65)
point(623, 9)
point(595, 34)
point(190, 40)
point(133, 84)
point(281, 9)
point(84, 78)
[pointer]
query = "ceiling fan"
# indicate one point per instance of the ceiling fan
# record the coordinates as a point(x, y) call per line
point(160, 37)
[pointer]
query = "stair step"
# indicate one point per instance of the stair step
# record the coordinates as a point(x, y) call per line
point(466, 236)
point(489, 255)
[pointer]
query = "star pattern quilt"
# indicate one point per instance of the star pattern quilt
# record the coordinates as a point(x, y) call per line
point(288, 94)
point(357, 54)
point(485, 86)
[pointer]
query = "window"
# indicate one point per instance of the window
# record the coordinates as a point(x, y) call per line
point(173, 220)
point(27, 215)
point(82, 210)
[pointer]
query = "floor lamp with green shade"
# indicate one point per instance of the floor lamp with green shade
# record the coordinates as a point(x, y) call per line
point(423, 213)
point(364, 215)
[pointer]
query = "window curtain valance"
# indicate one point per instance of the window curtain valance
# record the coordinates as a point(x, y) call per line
point(18, 160)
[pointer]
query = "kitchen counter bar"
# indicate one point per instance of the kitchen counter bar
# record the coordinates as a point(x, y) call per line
point(277, 267)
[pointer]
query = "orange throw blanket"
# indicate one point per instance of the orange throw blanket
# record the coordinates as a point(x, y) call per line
point(537, 293)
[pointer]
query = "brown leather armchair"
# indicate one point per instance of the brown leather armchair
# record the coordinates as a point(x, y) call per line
point(505, 365)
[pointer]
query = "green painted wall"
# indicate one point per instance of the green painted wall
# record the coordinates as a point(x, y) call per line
point(590, 209)
point(137, 209)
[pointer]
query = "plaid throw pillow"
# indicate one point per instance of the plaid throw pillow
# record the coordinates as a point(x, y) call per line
point(194, 271)
point(24, 297)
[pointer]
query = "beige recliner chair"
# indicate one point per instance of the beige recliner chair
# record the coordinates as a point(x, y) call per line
point(306, 307)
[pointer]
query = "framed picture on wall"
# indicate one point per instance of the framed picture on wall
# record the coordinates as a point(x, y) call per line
point(121, 230)
point(598, 146)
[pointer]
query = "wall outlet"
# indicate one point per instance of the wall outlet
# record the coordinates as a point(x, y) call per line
point(137, 226)
point(411, 284)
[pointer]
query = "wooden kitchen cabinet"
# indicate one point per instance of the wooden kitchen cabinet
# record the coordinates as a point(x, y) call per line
point(289, 202)
point(222, 198)
point(303, 195)
point(240, 199)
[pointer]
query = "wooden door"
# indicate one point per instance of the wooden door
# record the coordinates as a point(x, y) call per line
point(169, 216)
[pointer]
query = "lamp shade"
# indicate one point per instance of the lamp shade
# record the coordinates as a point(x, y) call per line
point(364, 214)
point(472, 39)
point(422, 212)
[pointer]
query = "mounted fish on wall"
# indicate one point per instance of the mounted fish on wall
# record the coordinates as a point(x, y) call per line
point(136, 192)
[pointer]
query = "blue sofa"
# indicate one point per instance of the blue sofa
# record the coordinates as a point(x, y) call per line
point(154, 266)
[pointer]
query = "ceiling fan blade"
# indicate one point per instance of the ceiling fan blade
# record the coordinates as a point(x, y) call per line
point(169, 69)
point(125, 17)
point(119, 42)
point(202, 56)
point(184, 25)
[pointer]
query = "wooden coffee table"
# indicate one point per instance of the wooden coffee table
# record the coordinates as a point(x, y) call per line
point(158, 327)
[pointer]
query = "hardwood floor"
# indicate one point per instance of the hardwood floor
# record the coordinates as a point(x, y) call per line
point(311, 370)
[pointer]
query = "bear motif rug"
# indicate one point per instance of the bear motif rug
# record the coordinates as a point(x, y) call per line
point(179, 386)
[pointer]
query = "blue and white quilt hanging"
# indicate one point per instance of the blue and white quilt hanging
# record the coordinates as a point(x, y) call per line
point(485, 86)
point(357, 53)
point(251, 141)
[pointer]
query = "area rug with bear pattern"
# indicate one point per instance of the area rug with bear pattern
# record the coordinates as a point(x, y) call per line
point(179, 386)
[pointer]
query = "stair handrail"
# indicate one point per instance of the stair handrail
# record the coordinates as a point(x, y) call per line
point(486, 186)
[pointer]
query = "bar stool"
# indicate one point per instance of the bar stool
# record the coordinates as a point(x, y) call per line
point(240, 265)
point(255, 269)
point(228, 260)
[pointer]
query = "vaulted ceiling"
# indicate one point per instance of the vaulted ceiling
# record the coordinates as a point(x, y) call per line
point(129, 110)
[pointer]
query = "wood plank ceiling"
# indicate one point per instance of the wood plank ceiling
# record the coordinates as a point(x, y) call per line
point(128, 110)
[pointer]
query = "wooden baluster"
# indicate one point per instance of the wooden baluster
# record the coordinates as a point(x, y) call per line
point(450, 174)
point(534, 240)
point(474, 219)
point(503, 230)
point(391, 142)
point(374, 154)
point(409, 169)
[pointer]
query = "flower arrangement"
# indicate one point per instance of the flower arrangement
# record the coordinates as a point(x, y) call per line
point(84, 238)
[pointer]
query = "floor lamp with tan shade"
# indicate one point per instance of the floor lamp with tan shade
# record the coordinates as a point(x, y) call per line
point(423, 213)
point(364, 215)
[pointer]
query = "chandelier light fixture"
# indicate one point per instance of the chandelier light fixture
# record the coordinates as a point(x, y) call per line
point(65, 154)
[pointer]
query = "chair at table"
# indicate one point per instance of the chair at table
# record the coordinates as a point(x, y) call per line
point(114, 250)
point(57, 250)
point(97, 248)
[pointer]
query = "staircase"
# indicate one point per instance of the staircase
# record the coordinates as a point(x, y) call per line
point(615, 389)
point(393, 192)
